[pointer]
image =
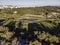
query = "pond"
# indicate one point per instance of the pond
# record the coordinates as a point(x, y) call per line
point(28, 19)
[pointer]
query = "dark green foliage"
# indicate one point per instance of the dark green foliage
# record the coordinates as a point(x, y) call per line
point(32, 10)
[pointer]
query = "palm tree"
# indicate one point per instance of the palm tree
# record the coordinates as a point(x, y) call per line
point(46, 14)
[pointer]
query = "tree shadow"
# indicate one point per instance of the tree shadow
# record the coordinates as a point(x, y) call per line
point(29, 35)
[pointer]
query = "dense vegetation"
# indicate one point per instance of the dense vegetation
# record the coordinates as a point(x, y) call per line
point(44, 31)
point(31, 10)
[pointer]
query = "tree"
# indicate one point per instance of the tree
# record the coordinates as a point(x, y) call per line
point(46, 14)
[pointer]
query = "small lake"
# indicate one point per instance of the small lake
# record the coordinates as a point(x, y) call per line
point(28, 19)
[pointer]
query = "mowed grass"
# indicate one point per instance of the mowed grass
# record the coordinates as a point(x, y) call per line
point(15, 16)
point(49, 25)
point(18, 16)
point(41, 19)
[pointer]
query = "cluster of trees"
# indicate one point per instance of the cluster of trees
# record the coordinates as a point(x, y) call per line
point(37, 34)
point(43, 33)
point(31, 10)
